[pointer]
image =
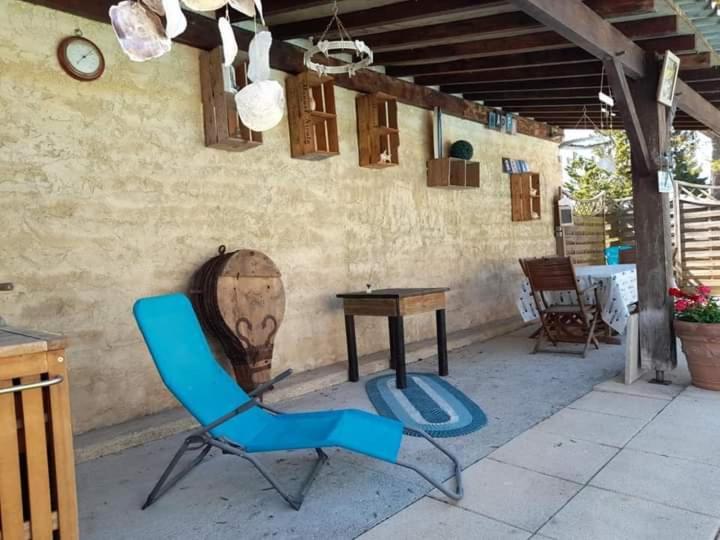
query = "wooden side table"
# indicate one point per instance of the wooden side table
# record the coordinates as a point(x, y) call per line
point(395, 304)
point(37, 466)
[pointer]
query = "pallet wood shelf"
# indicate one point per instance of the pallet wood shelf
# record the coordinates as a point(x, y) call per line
point(312, 116)
point(378, 133)
point(453, 173)
point(525, 196)
point(223, 128)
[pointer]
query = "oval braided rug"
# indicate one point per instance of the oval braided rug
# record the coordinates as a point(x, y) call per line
point(428, 403)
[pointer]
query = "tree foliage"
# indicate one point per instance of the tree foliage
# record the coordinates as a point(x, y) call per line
point(588, 178)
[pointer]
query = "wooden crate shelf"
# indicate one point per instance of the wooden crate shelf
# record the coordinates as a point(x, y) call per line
point(453, 173)
point(312, 116)
point(526, 196)
point(223, 128)
point(378, 133)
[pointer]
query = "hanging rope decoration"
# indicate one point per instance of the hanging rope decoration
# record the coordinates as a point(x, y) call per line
point(597, 139)
point(345, 43)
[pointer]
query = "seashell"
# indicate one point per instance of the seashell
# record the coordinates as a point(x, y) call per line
point(204, 5)
point(261, 105)
point(259, 57)
point(175, 21)
point(139, 31)
point(230, 46)
point(155, 5)
point(248, 7)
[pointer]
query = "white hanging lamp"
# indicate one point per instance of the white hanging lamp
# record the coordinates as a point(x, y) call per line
point(344, 44)
point(597, 139)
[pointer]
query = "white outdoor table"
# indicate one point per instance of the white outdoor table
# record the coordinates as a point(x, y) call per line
point(618, 291)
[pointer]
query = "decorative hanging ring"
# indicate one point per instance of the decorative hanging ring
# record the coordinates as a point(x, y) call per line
point(358, 47)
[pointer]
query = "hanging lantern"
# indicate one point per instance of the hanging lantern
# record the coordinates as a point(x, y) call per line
point(565, 211)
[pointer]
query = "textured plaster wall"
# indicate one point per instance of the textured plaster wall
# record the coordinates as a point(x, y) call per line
point(108, 194)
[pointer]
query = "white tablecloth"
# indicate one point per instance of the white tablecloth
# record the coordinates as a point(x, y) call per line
point(618, 290)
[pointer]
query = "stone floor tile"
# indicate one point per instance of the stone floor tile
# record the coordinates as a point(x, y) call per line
point(643, 408)
point(592, 426)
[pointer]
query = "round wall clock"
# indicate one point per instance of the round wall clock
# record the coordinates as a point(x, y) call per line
point(81, 58)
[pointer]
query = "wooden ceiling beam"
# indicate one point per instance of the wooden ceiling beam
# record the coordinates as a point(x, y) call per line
point(542, 57)
point(579, 24)
point(582, 26)
point(513, 23)
point(548, 71)
point(525, 59)
point(389, 14)
point(539, 41)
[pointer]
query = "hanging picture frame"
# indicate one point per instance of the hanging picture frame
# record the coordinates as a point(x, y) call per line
point(668, 79)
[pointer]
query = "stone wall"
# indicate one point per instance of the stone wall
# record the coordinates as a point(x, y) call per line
point(107, 194)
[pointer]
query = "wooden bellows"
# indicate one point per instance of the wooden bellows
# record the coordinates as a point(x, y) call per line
point(240, 300)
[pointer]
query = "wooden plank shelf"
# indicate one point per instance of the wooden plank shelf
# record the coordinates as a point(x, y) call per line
point(223, 128)
point(526, 200)
point(312, 116)
point(378, 133)
point(453, 173)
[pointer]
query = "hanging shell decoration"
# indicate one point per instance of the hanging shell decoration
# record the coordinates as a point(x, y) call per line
point(142, 37)
point(260, 104)
point(139, 31)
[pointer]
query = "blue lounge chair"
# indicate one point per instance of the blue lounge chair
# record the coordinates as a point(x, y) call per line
point(238, 424)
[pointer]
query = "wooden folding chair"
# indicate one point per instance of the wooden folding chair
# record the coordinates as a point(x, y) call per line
point(573, 323)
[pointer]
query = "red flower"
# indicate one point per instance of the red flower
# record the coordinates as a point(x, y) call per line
point(704, 290)
point(681, 305)
point(677, 293)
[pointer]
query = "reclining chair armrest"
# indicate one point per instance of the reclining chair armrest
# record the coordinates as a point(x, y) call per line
point(272, 382)
point(225, 417)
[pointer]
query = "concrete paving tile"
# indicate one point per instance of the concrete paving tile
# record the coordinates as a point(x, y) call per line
point(644, 408)
point(640, 388)
point(434, 520)
point(679, 439)
point(699, 393)
point(520, 497)
point(593, 427)
point(596, 514)
point(555, 455)
point(672, 481)
point(704, 413)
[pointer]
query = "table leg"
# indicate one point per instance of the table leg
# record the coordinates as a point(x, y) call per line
point(442, 343)
point(399, 331)
point(353, 370)
point(393, 352)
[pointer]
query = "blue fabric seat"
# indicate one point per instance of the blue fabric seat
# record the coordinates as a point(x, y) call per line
point(231, 419)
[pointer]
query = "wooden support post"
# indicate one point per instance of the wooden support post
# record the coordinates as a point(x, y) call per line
point(652, 230)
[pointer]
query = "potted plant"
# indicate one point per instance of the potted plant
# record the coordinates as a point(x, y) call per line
point(697, 324)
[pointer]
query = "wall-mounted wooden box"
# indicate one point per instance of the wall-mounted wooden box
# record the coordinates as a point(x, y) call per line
point(453, 173)
point(525, 196)
point(223, 128)
point(311, 116)
point(378, 134)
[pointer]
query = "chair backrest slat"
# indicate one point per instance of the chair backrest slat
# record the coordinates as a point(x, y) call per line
point(551, 274)
point(188, 368)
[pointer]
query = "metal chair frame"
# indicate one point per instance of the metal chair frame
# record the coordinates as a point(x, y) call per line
point(203, 441)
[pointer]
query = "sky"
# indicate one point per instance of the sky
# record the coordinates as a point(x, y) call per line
point(703, 155)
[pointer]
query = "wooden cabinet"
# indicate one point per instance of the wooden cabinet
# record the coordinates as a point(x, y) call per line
point(311, 116)
point(223, 128)
point(453, 173)
point(378, 134)
point(37, 469)
point(525, 195)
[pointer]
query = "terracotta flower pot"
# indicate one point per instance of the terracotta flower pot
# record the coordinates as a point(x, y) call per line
point(701, 345)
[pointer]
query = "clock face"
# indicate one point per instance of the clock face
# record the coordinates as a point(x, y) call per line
point(81, 58)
